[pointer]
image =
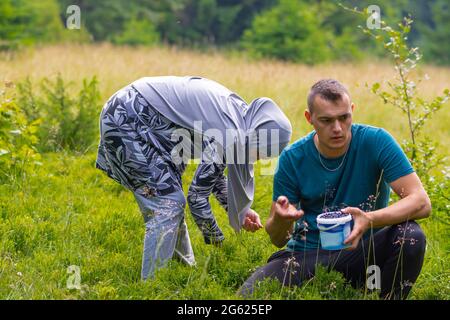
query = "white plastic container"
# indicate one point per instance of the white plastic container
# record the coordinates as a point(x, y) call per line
point(333, 231)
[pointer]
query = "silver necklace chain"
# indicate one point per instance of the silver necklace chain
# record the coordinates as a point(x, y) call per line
point(340, 165)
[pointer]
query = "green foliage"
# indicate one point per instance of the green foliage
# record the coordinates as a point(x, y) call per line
point(325, 285)
point(17, 140)
point(311, 32)
point(403, 93)
point(22, 22)
point(68, 122)
point(138, 32)
point(306, 31)
point(102, 18)
point(25, 22)
point(434, 35)
point(88, 220)
point(206, 22)
point(438, 188)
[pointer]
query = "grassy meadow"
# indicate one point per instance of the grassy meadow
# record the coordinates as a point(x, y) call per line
point(69, 213)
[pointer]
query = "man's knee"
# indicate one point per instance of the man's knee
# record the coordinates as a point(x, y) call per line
point(178, 197)
point(410, 237)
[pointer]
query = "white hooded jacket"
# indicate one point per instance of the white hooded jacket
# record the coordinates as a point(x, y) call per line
point(186, 100)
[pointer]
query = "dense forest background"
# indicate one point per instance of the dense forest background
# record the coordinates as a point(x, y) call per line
point(306, 31)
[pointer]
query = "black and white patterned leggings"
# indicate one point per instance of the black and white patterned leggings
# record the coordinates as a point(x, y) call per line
point(136, 150)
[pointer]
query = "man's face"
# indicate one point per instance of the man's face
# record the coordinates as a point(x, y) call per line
point(332, 121)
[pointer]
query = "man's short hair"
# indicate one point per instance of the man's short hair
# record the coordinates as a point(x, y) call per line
point(327, 89)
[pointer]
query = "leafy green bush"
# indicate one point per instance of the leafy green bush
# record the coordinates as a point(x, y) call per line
point(325, 285)
point(17, 139)
point(68, 122)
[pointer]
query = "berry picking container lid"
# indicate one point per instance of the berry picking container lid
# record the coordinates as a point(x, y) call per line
point(344, 219)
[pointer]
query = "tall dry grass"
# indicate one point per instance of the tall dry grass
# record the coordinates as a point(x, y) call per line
point(286, 83)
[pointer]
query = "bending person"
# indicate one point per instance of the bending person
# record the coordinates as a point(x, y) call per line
point(148, 131)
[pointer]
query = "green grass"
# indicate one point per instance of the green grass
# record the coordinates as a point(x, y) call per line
point(69, 213)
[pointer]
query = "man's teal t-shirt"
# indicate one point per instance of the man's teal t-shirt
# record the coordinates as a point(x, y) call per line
point(373, 158)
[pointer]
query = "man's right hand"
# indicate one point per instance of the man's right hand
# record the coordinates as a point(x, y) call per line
point(280, 224)
point(286, 211)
